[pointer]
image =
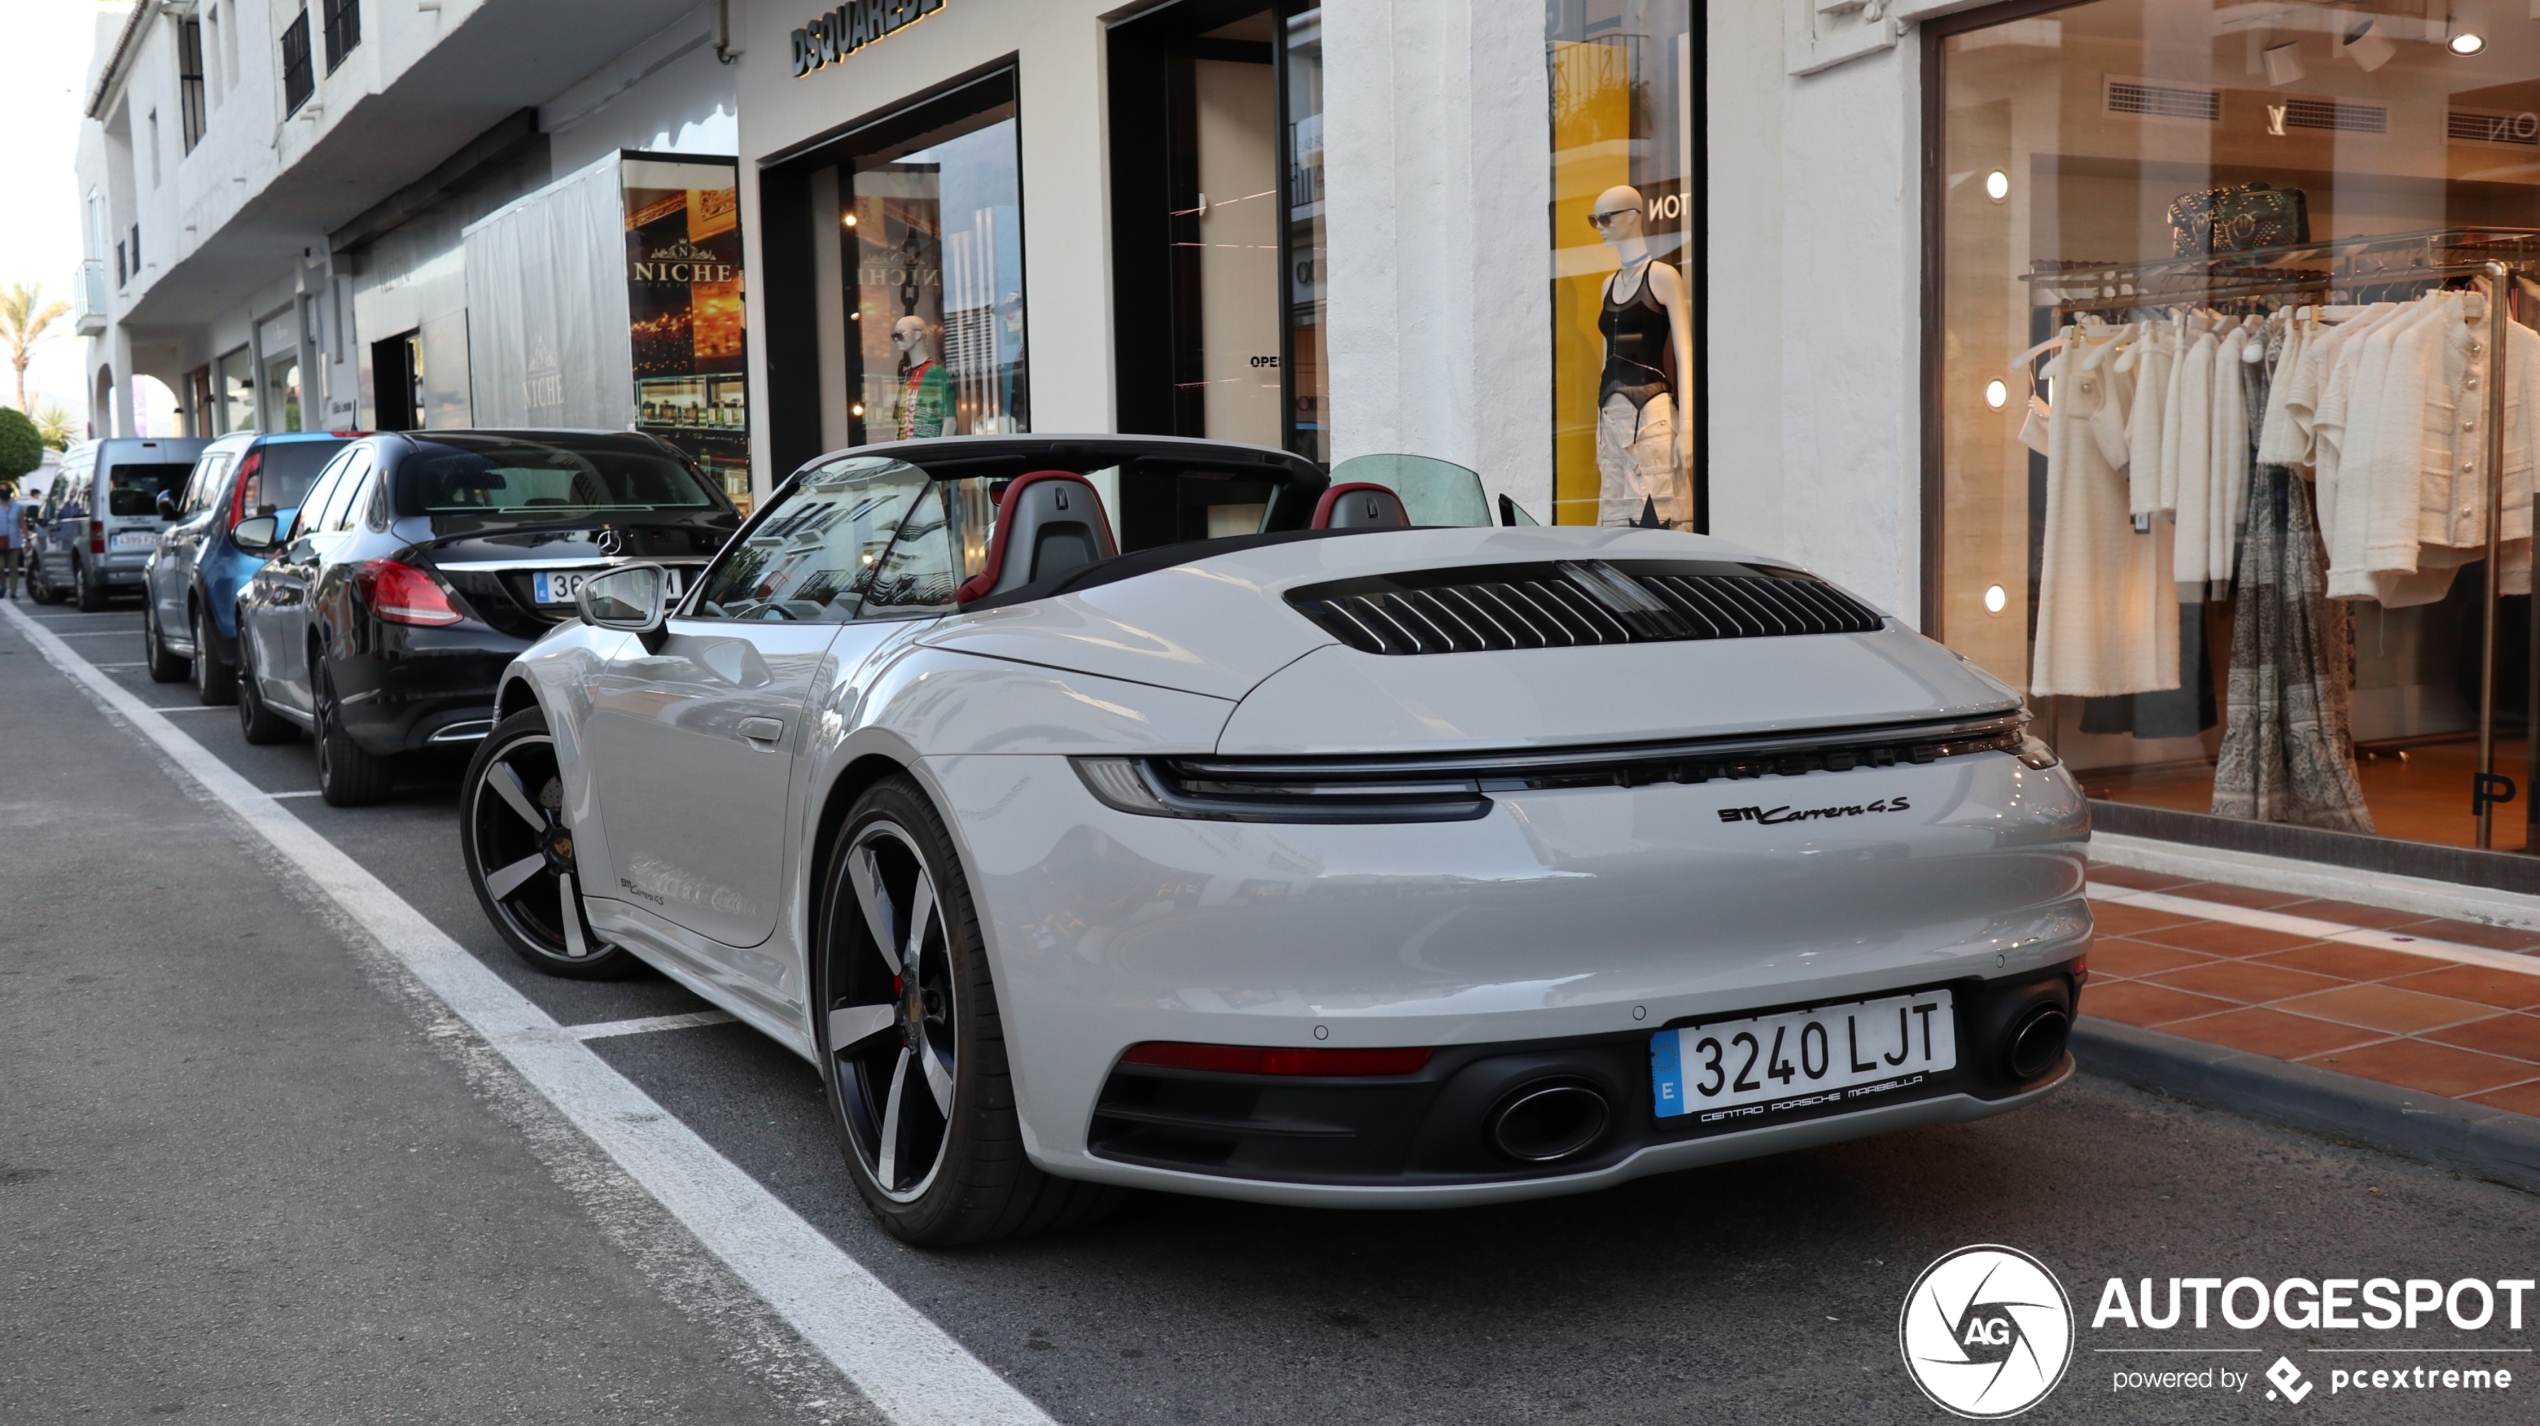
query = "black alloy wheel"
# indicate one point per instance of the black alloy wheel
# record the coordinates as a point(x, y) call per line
point(91, 586)
point(257, 722)
point(215, 682)
point(519, 850)
point(911, 1048)
point(347, 776)
point(164, 667)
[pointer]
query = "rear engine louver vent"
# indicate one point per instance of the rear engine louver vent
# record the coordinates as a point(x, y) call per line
point(2338, 115)
point(2163, 101)
point(1578, 602)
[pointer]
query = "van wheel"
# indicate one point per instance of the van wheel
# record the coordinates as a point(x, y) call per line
point(347, 776)
point(257, 722)
point(164, 667)
point(215, 683)
point(92, 593)
point(38, 588)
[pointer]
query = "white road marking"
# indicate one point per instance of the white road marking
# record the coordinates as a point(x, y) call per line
point(117, 666)
point(2318, 930)
point(188, 708)
point(90, 634)
point(303, 792)
point(650, 1024)
point(908, 1367)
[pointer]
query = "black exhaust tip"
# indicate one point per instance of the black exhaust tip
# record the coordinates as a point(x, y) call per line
point(2037, 1044)
point(1548, 1121)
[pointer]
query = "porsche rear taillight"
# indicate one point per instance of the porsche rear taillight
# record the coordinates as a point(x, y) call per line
point(96, 537)
point(402, 594)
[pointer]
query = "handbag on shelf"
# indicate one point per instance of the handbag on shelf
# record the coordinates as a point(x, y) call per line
point(2231, 220)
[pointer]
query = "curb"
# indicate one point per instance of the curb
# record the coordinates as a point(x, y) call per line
point(2494, 1144)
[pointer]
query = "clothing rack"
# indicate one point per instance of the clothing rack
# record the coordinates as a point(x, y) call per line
point(2495, 256)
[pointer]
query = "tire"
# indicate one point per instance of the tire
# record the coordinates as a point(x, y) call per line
point(347, 776)
point(92, 594)
point(257, 722)
point(519, 854)
point(215, 682)
point(919, 1091)
point(164, 667)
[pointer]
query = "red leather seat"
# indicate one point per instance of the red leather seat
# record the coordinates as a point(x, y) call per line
point(1360, 505)
point(1048, 522)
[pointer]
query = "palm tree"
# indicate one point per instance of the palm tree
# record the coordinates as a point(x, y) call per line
point(54, 425)
point(24, 316)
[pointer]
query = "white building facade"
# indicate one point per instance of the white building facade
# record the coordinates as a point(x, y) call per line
point(276, 195)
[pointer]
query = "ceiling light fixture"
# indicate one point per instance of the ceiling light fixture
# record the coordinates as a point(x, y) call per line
point(1996, 599)
point(2467, 42)
point(2368, 47)
point(1996, 393)
point(2284, 65)
point(1997, 185)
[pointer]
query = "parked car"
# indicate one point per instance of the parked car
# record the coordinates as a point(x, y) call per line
point(189, 624)
point(1332, 861)
point(419, 564)
point(100, 521)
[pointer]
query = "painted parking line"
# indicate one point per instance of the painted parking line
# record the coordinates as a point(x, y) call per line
point(908, 1367)
point(2318, 930)
point(649, 1025)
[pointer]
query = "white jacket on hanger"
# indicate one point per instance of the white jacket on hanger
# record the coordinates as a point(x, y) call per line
point(2190, 459)
point(2106, 619)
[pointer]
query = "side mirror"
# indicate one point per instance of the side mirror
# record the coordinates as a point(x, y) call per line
point(633, 598)
point(258, 536)
point(167, 505)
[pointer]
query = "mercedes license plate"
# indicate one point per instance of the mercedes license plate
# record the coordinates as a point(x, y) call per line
point(1800, 1059)
point(561, 587)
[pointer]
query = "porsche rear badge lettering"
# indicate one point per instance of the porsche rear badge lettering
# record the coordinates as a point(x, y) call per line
point(1775, 816)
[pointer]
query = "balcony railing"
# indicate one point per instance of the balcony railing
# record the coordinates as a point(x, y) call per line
point(88, 297)
point(299, 75)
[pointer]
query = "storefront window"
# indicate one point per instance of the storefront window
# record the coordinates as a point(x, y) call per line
point(1624, 293)
point(234, 379)
point(1309, 434)
point(683, 289)
point(931, 235)
point(2212, 371)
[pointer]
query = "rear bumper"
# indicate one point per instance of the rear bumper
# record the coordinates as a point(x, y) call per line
point(423, 688)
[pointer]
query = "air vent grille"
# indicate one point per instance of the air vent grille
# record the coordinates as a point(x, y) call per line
point(2164, 101)
point(1578, 603)
point(2474, 126)
point(2337, 114)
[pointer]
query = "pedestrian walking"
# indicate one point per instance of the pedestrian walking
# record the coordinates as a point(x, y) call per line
point(12, 539)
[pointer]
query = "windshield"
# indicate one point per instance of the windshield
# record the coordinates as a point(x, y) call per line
point(132, 491)
point(817, 552)
point(492, 479)
point(284, 472)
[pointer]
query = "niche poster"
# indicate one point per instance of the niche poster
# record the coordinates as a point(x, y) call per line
point(683, 289)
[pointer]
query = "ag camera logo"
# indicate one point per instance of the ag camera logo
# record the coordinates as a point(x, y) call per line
point(1986, 1332)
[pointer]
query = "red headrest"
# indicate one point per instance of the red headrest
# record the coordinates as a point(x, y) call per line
point(991, 577)
point(1377, 508)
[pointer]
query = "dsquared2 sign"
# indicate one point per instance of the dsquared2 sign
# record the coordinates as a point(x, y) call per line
point(850, 27)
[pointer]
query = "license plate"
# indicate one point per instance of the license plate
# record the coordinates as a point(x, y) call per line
point(560, 588)
point(135, 540)
point(1803, 1058)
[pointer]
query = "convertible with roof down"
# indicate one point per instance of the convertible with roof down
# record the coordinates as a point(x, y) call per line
point(1100, 812)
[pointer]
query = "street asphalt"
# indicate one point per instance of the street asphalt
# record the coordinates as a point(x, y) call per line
point(250, 1173)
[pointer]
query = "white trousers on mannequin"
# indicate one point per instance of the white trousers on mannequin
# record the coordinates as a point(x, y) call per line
point(1636, 463)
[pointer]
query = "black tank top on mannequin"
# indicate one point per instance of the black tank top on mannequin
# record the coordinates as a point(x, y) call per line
point(1640, 347)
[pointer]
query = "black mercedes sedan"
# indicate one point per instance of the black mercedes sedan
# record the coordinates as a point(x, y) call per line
point(420, 562)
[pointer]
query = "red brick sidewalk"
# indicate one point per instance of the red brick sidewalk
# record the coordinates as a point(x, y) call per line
point(2455, 1021)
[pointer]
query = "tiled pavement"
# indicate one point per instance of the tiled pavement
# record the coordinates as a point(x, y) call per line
point(2326, 989)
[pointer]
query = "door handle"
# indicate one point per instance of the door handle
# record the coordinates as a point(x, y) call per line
point(762, 730)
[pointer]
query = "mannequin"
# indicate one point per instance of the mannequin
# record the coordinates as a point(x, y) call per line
point(926, 404)
point(1641, 445)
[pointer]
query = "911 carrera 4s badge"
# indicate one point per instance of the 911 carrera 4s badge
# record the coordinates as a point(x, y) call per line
point(1775, 816)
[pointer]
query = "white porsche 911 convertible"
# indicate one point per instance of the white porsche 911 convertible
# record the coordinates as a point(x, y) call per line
point(1103, 812)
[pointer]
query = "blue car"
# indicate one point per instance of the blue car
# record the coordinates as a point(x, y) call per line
point(190, 604)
